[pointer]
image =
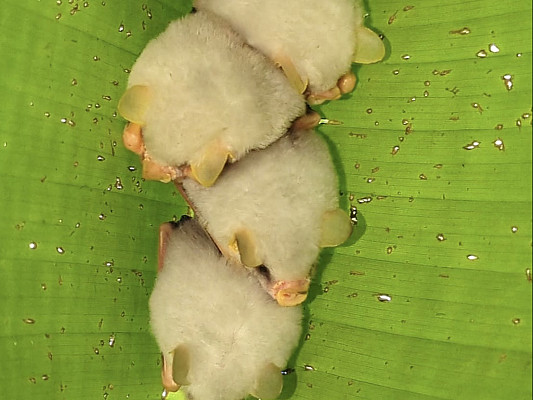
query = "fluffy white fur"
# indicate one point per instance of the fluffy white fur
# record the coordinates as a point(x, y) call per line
point(317, 35)
point(230, 326)
point(279, 194)
point(208, 84)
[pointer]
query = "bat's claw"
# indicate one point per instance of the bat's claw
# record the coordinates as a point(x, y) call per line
point(156, 172)
point(133, 139)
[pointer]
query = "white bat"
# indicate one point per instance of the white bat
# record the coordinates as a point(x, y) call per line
point(198, 96)
point(274, 210)
point(221, 336)
point(314, 41)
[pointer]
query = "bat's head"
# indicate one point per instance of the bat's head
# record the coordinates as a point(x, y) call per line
point(287, 286)
point(288, 282)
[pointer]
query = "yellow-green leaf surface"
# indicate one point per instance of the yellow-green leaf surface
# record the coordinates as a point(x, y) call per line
point(430, 299)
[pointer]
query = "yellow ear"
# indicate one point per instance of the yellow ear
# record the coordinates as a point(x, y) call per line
point(247, 248)
point(134, 103)
point(336, 228)
point(296, 81)
point(180, 365)
point(208, 165)
point(369, 48)
point(269, 384)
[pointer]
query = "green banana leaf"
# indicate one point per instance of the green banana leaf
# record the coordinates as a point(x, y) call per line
point(430, 299)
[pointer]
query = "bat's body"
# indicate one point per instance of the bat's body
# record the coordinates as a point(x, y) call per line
point(203, 97)
point(221, 335)
point(275, 209)
point(314, 41)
